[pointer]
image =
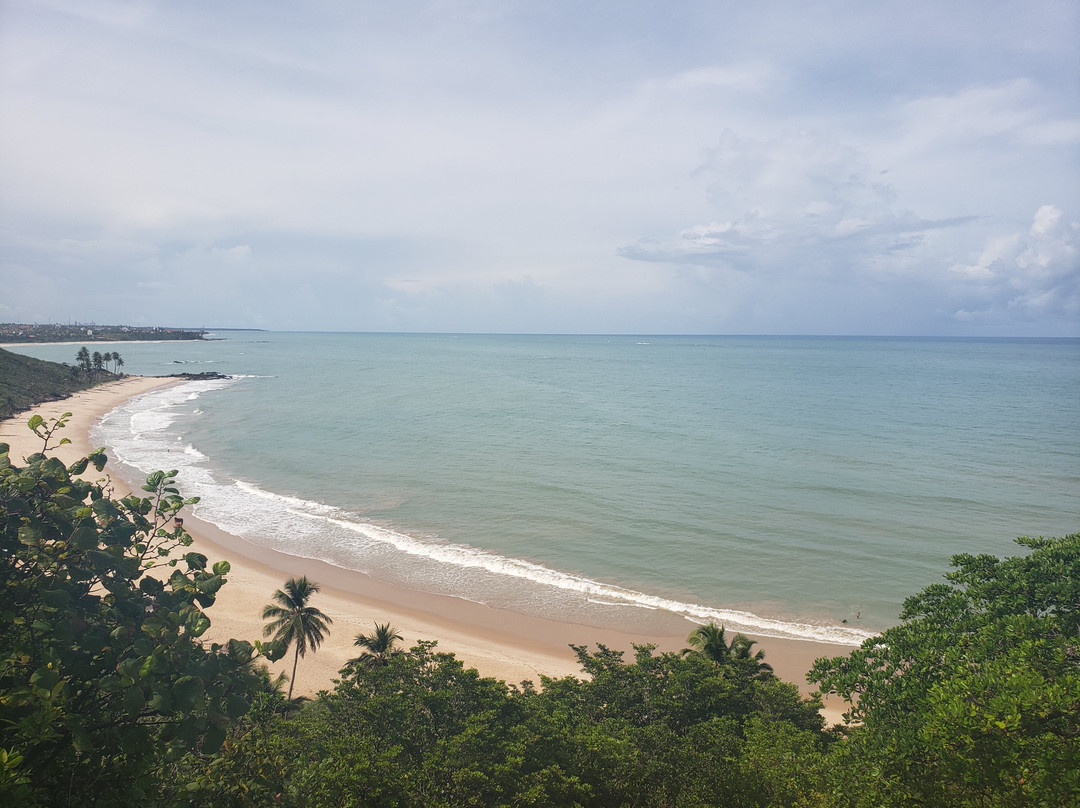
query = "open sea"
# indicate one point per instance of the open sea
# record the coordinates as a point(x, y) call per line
point(779, 485)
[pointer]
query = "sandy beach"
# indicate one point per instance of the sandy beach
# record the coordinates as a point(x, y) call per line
point(497, 643)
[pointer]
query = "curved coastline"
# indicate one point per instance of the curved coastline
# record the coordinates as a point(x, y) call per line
point(498, 642)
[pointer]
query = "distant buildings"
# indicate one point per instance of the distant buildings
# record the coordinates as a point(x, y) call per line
point(23, 332)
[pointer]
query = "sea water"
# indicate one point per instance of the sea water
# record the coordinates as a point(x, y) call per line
point(779, 485)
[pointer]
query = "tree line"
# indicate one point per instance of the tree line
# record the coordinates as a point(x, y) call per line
point(97, 362)
point(109, 696)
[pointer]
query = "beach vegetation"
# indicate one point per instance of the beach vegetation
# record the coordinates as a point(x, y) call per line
point(26, 381)
point(710, 642)
point(974, 698)
point(104, 680)
point(424, 730)
point(83, 358)
point(294, 622)
point(378, 646)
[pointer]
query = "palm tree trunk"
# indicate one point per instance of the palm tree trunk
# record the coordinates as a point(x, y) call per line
point(292, 679)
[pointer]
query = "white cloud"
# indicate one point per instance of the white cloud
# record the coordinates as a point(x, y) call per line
point(751, 76)
point(806, 203)
point(239, 253)
point(1036, 273)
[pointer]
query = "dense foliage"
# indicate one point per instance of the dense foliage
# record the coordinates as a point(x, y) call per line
point(419, 729)
point(103, 679)
point(974, 699)
point(109, 697)
point(25, 381)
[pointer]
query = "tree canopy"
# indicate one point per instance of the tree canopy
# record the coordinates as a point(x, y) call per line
point(974, 698)
point(103, 676)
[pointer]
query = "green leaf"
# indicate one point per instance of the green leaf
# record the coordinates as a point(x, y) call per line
point(197, 624)
point(215, 737)
point(134, 701)
point(85, 537)
point(236, 706)
point(161, 702)
point(110, 684)
point(240, 651)
point(222, 568)
point(45, 678)
point(209, 584)
point(57, 598)
point(82, 740)
point(30, 535)
point(186, 692)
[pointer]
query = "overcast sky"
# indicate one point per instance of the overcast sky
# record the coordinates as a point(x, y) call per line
point(543, 166)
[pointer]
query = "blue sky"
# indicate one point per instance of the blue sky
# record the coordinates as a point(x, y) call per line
point(687, 167)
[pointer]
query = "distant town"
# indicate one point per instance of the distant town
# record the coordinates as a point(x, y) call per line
point(91, 332)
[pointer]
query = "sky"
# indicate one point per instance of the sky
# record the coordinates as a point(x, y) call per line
point(842, 167)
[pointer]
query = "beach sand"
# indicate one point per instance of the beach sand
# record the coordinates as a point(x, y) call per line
point(498, 643)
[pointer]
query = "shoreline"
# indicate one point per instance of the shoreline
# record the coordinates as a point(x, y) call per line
point(509, 646)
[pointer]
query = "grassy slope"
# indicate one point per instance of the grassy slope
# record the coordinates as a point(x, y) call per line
point(25, 381)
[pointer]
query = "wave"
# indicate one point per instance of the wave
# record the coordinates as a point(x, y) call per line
point(142, 434)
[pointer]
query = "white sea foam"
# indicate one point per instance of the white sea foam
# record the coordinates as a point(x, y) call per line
point(138, 432)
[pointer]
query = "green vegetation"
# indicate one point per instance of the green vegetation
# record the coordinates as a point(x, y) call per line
point(293, 622)
point(25, 381)
point(974, 699)
point(379, 646)
point(103, 678)
point(108, 696)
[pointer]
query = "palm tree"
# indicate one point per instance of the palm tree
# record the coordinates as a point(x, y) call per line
point(378, 646)
point(754, 663)
point(83, 358)
point(710, 642)
point(295, 623)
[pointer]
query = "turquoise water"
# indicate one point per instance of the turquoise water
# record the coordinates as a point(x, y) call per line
point(780, 485)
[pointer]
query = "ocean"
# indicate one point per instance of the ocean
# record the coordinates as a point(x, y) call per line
point(795, 487)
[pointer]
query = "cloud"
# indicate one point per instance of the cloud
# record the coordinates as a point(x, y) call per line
point(1016, 110)
point(239, 253)
point(1034, 273)
point(750, 76)
point(804, 203)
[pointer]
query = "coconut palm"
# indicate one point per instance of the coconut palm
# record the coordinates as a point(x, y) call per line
point(754, 663)
point(378, 646)
point(710, 642)
point(295, 623)
point(84, 360)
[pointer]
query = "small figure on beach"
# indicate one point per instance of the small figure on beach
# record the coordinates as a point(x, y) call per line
point(178, 523)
